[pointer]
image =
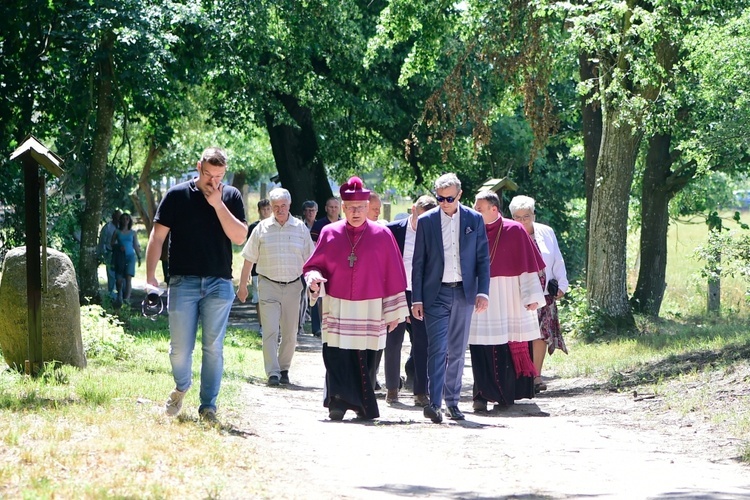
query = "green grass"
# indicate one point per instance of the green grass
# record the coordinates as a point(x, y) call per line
point(99, 432)
point(686, 290)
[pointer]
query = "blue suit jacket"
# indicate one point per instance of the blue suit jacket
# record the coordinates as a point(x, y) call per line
point(398, 228)
point(428, 261)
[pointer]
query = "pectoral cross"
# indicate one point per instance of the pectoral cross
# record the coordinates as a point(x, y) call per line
point(352, 259)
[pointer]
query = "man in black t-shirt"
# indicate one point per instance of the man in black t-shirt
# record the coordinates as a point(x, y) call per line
point(202, 218)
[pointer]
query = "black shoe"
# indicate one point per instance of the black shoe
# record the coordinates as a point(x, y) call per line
point(284, 380)
point(317, 334)
point(454, 413)
point(273, 381)
point(377, 386)
point(480, 406)
point(336, 414)
point(433, 413)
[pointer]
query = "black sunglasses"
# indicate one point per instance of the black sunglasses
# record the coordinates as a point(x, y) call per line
point(449, 199)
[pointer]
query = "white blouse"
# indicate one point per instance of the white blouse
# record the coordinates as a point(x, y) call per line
point(554, 265)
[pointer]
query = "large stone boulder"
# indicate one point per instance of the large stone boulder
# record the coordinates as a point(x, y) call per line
point(61, 311)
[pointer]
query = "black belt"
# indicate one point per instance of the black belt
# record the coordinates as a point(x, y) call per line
point(280, 282)
point(453, 285)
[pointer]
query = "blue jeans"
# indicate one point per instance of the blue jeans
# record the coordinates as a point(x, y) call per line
point(208, 299)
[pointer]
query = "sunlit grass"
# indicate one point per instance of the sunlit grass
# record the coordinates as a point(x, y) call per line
point(101, 432)
point(686, 291)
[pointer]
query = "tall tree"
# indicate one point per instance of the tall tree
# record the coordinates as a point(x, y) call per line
point(687, 125)
point(107, 61)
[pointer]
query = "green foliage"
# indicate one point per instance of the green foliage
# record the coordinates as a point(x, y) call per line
point(578, 318)
point(103, 335)
point(705, 194)
point(726, 254)
point(717, 54)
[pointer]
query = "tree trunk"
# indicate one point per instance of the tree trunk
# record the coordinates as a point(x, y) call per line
point(591, 127)
point(94, 188)
point(295, 151)
point(607, 270)
point(659, 187)
point(147, 209)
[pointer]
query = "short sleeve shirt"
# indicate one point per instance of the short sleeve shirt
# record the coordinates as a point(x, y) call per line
point(198, 245)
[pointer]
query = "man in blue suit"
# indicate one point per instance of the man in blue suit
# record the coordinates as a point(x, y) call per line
point(450, 277)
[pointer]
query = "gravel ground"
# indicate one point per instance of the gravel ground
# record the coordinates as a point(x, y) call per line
point(575, 440)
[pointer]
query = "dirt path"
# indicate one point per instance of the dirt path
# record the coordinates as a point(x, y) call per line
point(573, 441)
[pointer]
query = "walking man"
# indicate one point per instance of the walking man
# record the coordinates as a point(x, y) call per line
point(279, 245)
point(202, 218)
point(450, 277)
point(358, 267)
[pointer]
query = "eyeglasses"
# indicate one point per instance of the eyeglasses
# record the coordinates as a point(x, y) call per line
point(207, 174)
point(448, 199)
point(355, 210)
point(522, 218)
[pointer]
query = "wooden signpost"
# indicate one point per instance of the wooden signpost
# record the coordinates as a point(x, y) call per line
point(33, 155)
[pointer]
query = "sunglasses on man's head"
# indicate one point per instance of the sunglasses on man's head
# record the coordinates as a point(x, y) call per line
point(441, 199)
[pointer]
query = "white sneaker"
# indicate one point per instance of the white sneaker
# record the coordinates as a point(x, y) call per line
point(174, 404)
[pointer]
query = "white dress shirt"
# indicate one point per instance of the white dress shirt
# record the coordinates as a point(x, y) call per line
point(450, 226)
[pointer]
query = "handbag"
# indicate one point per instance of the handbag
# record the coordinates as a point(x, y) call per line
point(553, 287)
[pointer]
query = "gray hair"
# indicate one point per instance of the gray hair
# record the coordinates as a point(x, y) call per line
point(310, 204)
point(521, 203)
point(446, 181)
point(490, 197)
point(425, 203)
point(280, 194)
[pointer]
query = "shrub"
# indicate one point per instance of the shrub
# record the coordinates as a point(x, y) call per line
point(103, 335)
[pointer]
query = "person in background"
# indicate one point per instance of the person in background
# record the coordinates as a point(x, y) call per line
point(358, 267)
point(500, 340)
point(333, 214)
point(309, 213)
point(105, 252)
point(554, 282)
point(279, 245)
point(264, 212)
point(405, 232)
point(126, 250)
point(450, 278)
point(202, 217)
point(373, 213)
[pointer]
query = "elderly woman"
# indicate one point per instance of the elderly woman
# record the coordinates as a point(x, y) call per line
point(554, 282)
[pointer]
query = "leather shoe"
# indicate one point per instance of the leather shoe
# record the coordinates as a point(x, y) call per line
point(433, 413)
point(273, 381)
point(454, 413)
point(421, 400)
point(391, 396)
point(284, 380)
point(336, 414)
point(479, 406)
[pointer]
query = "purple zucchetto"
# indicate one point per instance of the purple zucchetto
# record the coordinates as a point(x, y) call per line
point(354, 190)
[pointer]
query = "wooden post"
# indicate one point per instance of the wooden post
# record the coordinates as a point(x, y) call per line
point(33, 155)
point(32, 184)
point(713, 299)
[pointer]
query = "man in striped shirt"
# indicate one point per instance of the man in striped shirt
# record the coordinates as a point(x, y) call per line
point(279, 246)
